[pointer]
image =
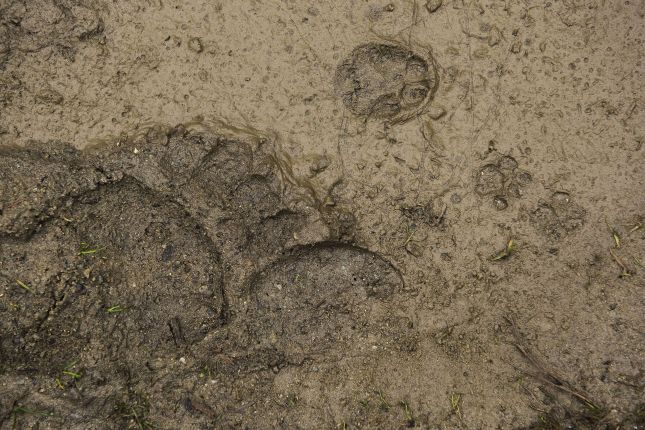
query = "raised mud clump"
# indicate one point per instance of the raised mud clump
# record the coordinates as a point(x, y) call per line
point(120, 275)
point(34, 25)
point(35, 182)
point(385, 81)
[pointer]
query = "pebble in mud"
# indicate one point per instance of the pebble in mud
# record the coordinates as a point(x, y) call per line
point(384, 81)
point(500, 203)
point(195, 45)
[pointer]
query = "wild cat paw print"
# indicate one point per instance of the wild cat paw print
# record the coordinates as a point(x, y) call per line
point(558, 215)
point(385, 81)
point(501, 181)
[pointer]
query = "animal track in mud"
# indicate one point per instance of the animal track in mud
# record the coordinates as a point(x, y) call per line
point(121, 271)
point(49, 205)
point(502, 180)
point(124, 256)
point(321, 299)
point(385, 81)
point(428, 214)
point(559, 215)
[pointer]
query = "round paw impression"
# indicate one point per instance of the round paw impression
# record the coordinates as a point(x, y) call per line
point(384, 81)
point(125, 275)
point(321, 298)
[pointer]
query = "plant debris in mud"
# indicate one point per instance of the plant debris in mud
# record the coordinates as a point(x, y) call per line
point(582, 413)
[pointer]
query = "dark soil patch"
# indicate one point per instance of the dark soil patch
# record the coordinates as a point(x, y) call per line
point(119, 267)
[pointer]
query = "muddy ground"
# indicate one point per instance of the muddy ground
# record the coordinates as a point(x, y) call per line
point(315, 215)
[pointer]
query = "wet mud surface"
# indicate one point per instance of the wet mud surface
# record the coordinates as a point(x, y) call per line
point(401, 215)
point(187, 283)
point(185, 251)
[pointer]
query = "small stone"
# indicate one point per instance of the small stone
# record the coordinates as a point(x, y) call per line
point(182, 360)
point(436, 112)
point(500, 203)
point(389, 8)
point(433, 5)
point(156, 135)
